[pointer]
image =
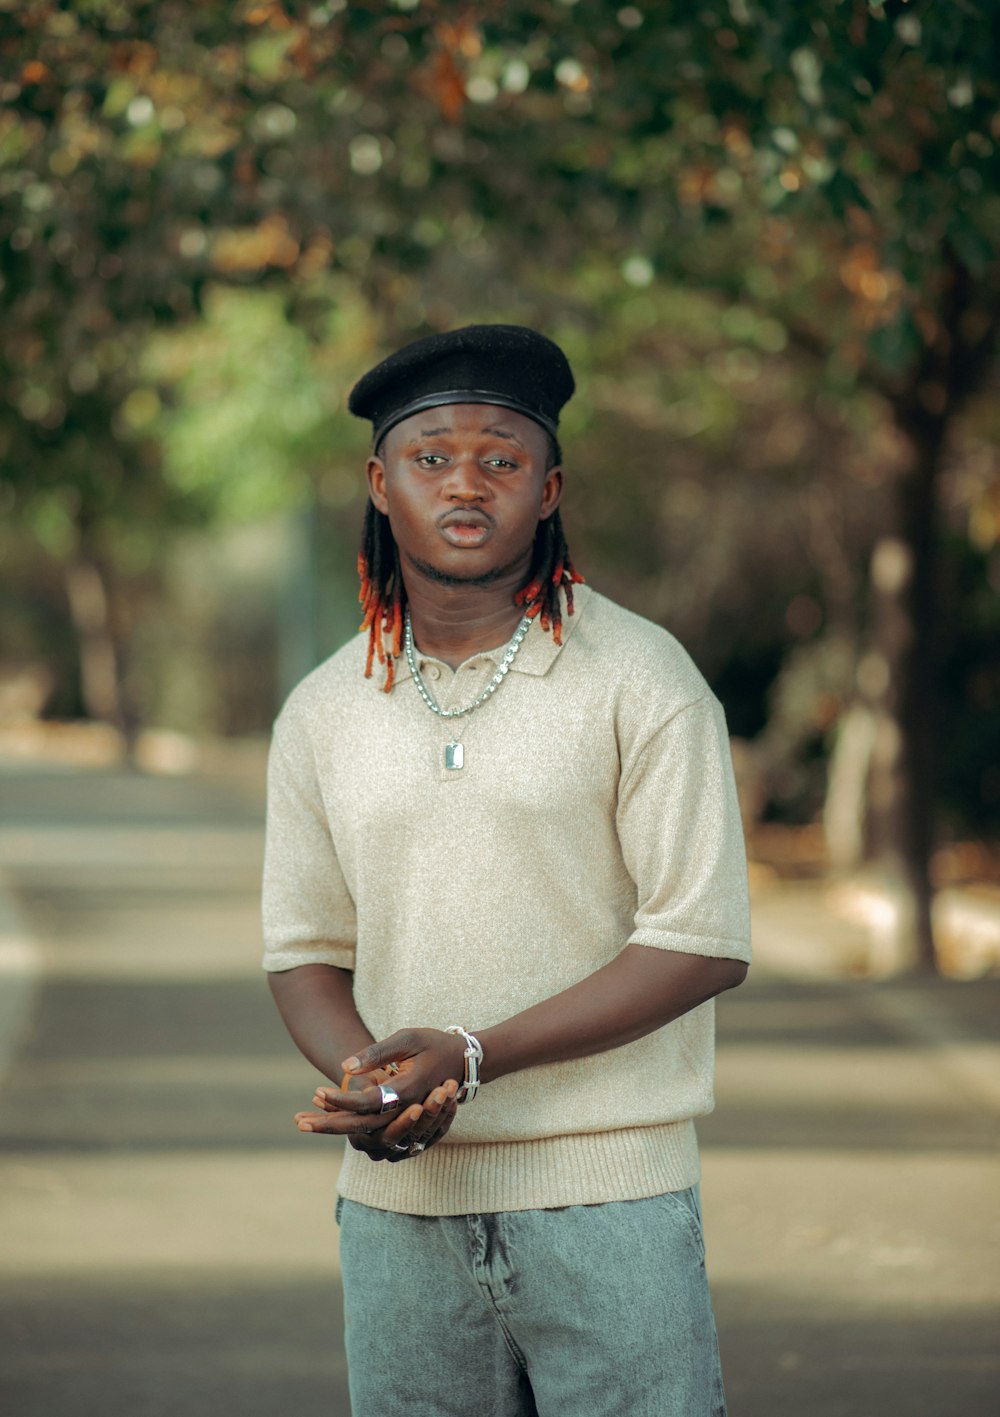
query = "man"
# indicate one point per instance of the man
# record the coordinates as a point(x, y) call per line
point(505, 868)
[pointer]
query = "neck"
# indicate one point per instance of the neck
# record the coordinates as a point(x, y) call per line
point(453, 622)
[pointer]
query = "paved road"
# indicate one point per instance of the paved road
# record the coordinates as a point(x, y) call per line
point(166, 1238)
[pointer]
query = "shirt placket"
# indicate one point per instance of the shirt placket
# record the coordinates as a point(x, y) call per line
point(451, 690)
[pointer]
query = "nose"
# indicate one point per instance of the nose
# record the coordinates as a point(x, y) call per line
point(465, 481)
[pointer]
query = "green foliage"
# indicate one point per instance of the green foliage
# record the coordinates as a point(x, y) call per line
point(250, 422)
point(746, 222)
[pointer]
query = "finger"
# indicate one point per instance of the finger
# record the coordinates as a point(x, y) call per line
point(329, 1094)
point(405, 1082)
point(441, 1098)
point(367, 1145)
point(400, 1129)
point(339, 1124)
point(376, 1154)
point(439, 1113)
point(442, 1123)
point(328, 1097)
point(432, 1109)
point(391, 1143)
point(361, 1100)
point(398, 1139)
point(393, 1049)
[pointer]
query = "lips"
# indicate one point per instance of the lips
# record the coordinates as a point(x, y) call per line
point(466, 527)
point(466, 516)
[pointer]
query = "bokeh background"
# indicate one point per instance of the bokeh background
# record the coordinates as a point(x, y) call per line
point(766, 236)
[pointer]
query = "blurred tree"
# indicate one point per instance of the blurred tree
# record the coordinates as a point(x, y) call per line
point(808, 193)
point(833, 167)
point(253, 421)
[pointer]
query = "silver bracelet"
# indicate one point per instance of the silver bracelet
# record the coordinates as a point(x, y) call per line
point(473, 1057)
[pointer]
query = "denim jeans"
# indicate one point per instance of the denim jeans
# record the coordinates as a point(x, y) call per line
point(586, 1311)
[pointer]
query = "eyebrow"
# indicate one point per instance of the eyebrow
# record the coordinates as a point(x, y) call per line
point(497, 433)
point(503, 433)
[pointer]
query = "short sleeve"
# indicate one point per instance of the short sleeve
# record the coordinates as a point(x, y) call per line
point(308, 914)
point(682, 838)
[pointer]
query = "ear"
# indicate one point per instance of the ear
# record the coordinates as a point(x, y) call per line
point(375, 472)
point(551, 493)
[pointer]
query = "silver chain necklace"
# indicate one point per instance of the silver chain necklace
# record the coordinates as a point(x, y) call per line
point(454, 752)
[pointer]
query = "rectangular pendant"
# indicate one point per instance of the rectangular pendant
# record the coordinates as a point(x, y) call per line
point(454, 756)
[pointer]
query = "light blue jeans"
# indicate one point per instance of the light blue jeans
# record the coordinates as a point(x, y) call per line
point(587, 1311)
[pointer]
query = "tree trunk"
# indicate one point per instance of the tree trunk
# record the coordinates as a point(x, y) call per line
point(959, 347)
point(911, 639)
point(89, 611)
point(900, 672)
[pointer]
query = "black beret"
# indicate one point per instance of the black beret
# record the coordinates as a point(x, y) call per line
point(507, 365)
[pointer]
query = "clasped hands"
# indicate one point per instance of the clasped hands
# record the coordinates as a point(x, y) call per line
point(428, 1066)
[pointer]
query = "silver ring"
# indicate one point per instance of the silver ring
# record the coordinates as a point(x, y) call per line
point(416, 1147)
point(390, 1098)
point(398, 1146)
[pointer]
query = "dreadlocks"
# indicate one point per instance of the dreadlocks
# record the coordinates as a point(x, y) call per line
point(551, 571)
point(383, 596)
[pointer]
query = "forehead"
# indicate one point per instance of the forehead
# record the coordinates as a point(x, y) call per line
point(470, 419)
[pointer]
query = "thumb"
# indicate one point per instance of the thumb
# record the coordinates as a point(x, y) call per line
point(377, 1055)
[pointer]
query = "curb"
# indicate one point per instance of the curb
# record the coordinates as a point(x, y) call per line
point(20, 976)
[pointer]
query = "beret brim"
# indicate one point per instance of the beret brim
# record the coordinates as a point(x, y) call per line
point(508, 365)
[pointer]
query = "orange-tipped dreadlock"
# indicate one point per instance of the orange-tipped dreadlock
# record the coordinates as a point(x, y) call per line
point(383, 595)
point(551, 571)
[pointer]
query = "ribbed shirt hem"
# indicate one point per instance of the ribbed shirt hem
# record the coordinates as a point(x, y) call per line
point(590, 1169)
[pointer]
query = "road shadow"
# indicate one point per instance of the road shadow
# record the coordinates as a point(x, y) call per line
point(154, 1345)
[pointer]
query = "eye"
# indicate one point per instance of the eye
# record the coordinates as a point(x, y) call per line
point(501, 462)
point(430, 459)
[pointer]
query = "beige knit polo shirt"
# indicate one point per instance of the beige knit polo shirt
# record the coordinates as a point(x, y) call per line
point(595, 807)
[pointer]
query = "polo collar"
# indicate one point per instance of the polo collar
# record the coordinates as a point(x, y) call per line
point(538, 651)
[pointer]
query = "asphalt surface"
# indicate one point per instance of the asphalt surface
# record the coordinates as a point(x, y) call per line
point(167, 1242)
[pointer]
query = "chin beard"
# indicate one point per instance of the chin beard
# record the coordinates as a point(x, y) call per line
point(439, 577)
